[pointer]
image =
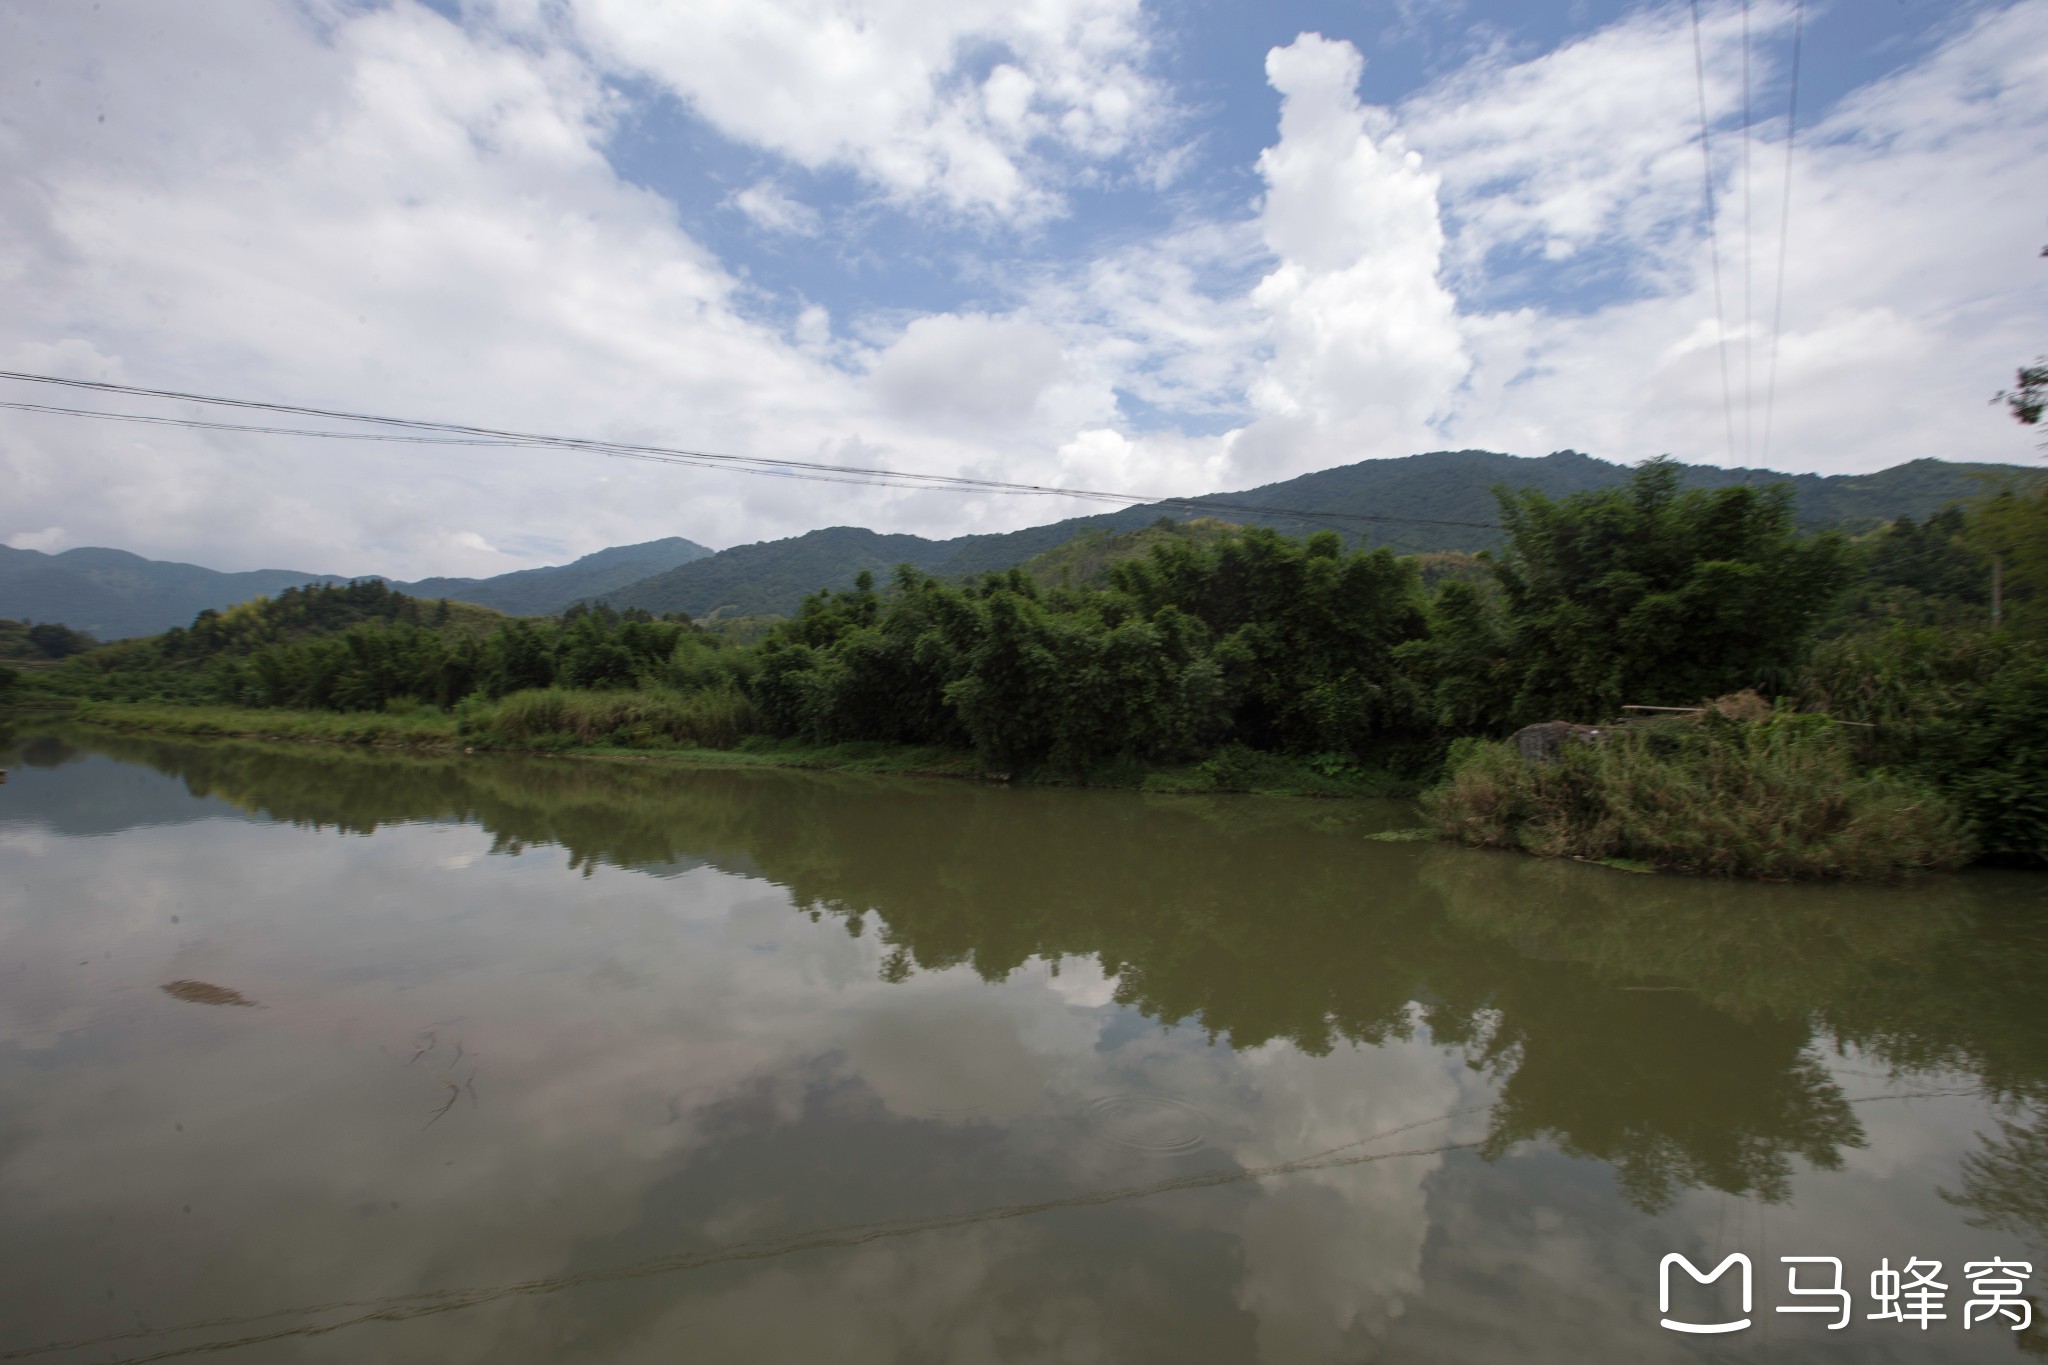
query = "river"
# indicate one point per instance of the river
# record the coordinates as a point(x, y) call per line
point(311, 1054)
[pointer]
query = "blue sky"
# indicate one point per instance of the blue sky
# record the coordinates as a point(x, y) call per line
point(1096, 243)
point(1213, 60)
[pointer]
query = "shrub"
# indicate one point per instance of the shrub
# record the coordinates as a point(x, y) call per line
point(1719, 797)
point(1964, 709)
point(711, 718)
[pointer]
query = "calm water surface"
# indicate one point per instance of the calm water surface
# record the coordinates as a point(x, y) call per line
point(323, 1056)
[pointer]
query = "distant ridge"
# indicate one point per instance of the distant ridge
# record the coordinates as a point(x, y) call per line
point(772, 577)
point(546, 592)
point(115, 594)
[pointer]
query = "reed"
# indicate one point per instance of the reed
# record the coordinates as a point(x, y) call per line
point(709, 718)
point(1781, 799)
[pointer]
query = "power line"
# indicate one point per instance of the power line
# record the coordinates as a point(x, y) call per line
point(1699, 69)
point(423, 432)
point(1748, 257)
point(1784, 224)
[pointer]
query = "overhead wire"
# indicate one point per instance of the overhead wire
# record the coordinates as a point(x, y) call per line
point(425, 432)
point(1748, 258)
point(1699, 67)
point(1784, 225)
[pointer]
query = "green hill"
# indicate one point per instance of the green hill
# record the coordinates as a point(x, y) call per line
point(1085, 560)
point(550, 591)
point(112, 593)
point(115, 595)
point(183, 663)
point(772, 577)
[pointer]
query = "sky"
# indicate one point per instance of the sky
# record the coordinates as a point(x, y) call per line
point(1084, 243)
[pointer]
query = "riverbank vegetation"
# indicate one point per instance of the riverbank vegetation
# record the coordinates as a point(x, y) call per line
point(1229, 659)
point(1782, 798)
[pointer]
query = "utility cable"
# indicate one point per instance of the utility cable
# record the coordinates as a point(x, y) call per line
point(1784, 226)
point(1748, 258)
point(454, 433)
point(1699, 69)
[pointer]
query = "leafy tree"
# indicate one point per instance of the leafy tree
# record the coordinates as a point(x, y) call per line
point(1654, 595)
point(1462, 669)
point(1306, 634)
point(2030, 399)
point(56, 641)
point(2013, 525)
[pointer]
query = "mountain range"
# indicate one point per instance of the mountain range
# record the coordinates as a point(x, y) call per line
point(1448, 486)
point(114, 594)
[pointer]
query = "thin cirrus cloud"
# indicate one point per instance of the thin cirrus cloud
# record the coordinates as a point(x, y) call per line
point(383, 209)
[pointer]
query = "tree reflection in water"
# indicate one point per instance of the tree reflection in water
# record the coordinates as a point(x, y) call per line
point(1673, 1029)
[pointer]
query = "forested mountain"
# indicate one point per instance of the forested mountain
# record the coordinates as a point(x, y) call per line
point(113, 595)
point(546, 592)
point(772, 577)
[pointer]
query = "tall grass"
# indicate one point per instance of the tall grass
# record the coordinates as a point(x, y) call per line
point(416, 728)
point(1781, 799)
point(710, 718)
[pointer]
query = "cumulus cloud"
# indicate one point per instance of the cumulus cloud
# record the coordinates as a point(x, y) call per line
point(895, 89)
point(1365, 341)
point(1904, 295)
point(982, 370)
point(422, 223)
point(393, 212)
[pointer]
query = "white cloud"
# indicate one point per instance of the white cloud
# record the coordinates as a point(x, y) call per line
point(1906, 286)
point(393, 213)
point(1366, 346)
point(423, 224)
point(983, 371)
point(47, 539)
point(765, 203)
point(1595, 140)
point(889, 88)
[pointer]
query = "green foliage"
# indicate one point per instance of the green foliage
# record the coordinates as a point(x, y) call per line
point(1306, 634)
point(707, 719)
point(2029, 398)
point(1781, 799)
point(1655, 596)
point(1966, 709)
point(32, 642)
point(412, 729)
point(1214, 658)
point(1462, 669)
point(1085, 560)
point(1289, 645)
point(2012, 524)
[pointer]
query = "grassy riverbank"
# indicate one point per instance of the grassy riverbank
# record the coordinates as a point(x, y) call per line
point(1783, 799)
point(642, 726)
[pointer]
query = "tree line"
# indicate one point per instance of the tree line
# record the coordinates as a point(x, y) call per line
point(1647, 594)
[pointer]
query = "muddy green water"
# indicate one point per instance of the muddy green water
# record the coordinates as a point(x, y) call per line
point(309, 1055)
